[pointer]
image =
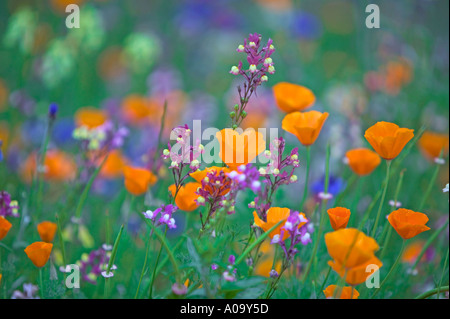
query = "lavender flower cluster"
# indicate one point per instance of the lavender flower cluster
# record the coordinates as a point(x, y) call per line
point(260, 64)
point(182, 154)
point(94, 264)
point(282, 170)
point(102, 138)
point(165, 212)
point(8, 207)
point(295, 226)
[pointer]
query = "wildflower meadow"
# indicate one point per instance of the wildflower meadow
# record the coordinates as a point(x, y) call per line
point(196, 149)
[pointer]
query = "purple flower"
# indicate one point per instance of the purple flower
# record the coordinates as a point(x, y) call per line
point(52, 111)
point(165, 212)
point(29, 292)
point(179, 289)
point(8, 207)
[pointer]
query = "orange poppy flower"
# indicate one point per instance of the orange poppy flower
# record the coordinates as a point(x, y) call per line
point(408, 223)
point(355, 275)
point(5, 226)
point(4, 136)
point(292, 97)
point(363, 161)
point(388, 139)
point(39, 253)
point(240, 149)
point(186, 196)
point(264, 267)
point(350, 247)
point(200, 175)
point(346, 293)
point(90, 117)
point(0, 278)
point(432, 144)
point(412, 252)
point(397, 74)
point(275, 215)
point(4, 93)
point(339, 217)
point(58, 167)
point(47, 231)
point(137, 109)
point(113, 166)
point(60, 5)
point(306, 126)
point(137, 180)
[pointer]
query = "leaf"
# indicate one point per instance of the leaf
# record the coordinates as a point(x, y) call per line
point(196, 260)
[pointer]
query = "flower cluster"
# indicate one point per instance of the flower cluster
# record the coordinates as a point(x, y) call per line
point(165, 218)
point(282, 170)
point(230, 273)
point(295, 226)
point(215, 184)
point(8, 207)
point(246, 177)
point(29, 292)
point(94, 264)
point(260, 65)
point(182, 155)
point(100, 138)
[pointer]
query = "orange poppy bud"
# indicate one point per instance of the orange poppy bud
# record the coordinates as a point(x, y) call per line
point(275, 215)
point(137, 180)
point(408, 223)
point(339, 217)
point(346, 293)
point(240, 149)
point(90, 117)
point(292, 97)
point(350, 247)
point(39, 253)
point(113, 166)
point(363, 161)
point(432, 144)
point(186, 196)
point(358, 274)
point(388, 139)
point(306, 126)
point(5, 226)
point(47, 231)
point(58, 167)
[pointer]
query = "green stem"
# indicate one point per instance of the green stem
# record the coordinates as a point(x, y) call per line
point(143, 267)
point(150, 292)
point(61, 240)
point(387, 225)
point(41, 283)
point(443, 273)
point(383, 197)
point(325, 281)
point(86, 190)
point(392, 268)
point(428, 243)
point(432, 292)
point(322, 213)
point(257, 242)
point(430, 187)
point(308, 166)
